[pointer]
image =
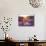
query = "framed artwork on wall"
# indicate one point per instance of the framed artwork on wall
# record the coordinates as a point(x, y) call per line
point(26, 20)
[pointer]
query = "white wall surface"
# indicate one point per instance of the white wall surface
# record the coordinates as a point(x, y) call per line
point(14, 8)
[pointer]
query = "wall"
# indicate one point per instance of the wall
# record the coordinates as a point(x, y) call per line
point(14, 8)
point(45, 28)
point(26, 32)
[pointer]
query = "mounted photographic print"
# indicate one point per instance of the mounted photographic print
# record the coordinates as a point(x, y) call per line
point(26, 20)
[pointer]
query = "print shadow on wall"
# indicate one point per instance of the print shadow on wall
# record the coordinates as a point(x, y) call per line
point(26, 20)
